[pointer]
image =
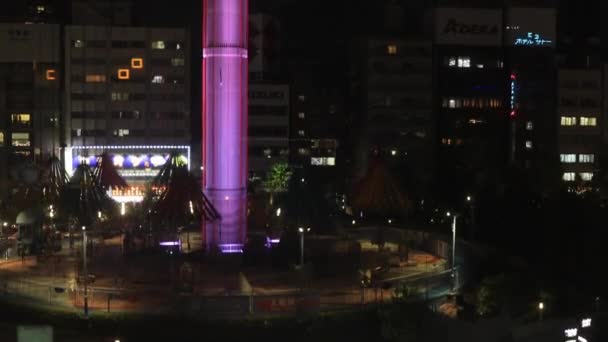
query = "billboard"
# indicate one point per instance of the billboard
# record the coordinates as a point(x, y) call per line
point(468, 26)
point(532, 27)
point(264, 43)
point(139, 161)
point(29, 42)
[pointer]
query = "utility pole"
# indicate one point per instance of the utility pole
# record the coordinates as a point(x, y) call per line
point(86, 273)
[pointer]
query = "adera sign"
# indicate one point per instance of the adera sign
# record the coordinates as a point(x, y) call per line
point(466, 26)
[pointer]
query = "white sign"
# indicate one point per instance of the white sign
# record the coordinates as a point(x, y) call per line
point(467, 26)
point(571, 332)
point(531, 27)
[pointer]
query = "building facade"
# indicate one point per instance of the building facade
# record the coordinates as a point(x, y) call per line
point(127, 89)
point(30, 102)
point(268, 126)
point(580, 125)
point(470, 88)
point(392, 88)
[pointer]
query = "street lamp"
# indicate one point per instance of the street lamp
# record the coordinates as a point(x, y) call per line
point(86, 273)
point(301, 230)
point(541, 308)
point(278, 212)
point(123, 209)
point(448, 214)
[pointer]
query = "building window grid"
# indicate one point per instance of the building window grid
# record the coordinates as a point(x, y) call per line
point(586, 158)
point(568, 158)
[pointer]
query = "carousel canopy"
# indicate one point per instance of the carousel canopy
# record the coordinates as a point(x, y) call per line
point(377, 193)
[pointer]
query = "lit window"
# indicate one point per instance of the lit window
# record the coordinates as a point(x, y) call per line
point(120, 97)
point(451, 103)
point(78, 132)
point(158, 79)
point(586, 176)
point(588, 121)
point(1, 138)
point(20, 139)
point(529, 125)
point(301, 98)
point(124, 74)
point(121, 132)
point(301, 115)
point(479, 66)
point(303, 151)
point(568, 121)
point(528, 144)
point(22, 118)
point(158, 45)
point(40, 9)
point(78, 44)
point(51, 74)
point(301, 133)
point(567, 158)
point(95, 78)
point(178, 46)
point(586, 158)
point(452, 62)
point(177, 62)
point(323, 161)
point(391, 49)
point(464, 62)
point(137, 63)
point(568, 177)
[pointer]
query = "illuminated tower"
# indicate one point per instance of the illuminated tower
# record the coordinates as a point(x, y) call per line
point(224, 110)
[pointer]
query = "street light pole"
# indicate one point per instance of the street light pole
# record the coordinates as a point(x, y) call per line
point(453, 250)
point(301, 230)
point(86, 273)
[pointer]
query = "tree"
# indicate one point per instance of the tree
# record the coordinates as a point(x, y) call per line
point(277, 180)
point(181, 199)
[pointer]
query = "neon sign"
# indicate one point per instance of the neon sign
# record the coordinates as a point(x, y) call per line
point(532, 39)
point(513, 105)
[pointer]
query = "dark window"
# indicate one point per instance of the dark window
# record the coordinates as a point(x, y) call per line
point(268, 131)
point(267, 111)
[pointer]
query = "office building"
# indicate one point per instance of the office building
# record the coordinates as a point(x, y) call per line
point(30, 102)
point(127, 91)
point(469, 102)
point(269, 98)
point(580, 125)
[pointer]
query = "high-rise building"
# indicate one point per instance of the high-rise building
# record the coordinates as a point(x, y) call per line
point(580, 125)
point(30, 102)
point(470, 87)
point(268, 126)
point(127, 91)
point(530, 58)
point(269, 98)
point(102, 12)
point(392, 88)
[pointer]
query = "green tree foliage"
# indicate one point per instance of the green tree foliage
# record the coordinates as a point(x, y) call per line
point(277, 180)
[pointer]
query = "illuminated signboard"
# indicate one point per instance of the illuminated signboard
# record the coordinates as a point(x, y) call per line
point(532, 39)
point(126, 161)
point(530, 27)
point(130, 161)
point(513, 104)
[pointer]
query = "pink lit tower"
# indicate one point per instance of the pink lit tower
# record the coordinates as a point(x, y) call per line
point(224, 110)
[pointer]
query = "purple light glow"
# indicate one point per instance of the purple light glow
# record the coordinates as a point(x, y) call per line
point(224, 77)
point(169, 243)
point(231, 248)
